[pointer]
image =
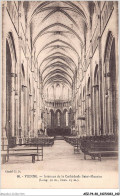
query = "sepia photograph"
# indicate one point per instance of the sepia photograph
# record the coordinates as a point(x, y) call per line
point(59, 99)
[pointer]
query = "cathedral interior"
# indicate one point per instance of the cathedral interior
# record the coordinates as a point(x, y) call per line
point(59, 70)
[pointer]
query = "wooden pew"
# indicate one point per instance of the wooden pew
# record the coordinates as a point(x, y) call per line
point(23, 150)
point(74, 141)
point(45, 141)
point(99, 148)
point(4, 153)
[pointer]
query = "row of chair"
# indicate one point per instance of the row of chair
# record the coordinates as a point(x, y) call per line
point(33, 150)
point(75, 139)
point(45, 141)
point(95, 146)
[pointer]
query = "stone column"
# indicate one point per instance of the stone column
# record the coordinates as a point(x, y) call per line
point(101, 92)
point(53, 92)
point(12, 106)
point(91, 88)
point(4, 139)
point(62, 91)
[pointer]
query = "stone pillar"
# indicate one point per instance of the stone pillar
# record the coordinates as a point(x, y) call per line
point(101, 93)
point(53, 92)
point(91, 89)
point(25, 112)
point(12, 107)
point(4, 139)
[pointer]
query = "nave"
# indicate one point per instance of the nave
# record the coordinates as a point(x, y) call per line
point(60, 78)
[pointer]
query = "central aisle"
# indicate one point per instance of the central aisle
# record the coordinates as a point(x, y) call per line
point(59, 151)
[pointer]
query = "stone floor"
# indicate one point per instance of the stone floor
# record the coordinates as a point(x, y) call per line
point(60, 158)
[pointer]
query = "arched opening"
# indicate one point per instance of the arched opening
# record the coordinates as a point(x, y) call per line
point(8, 92)
point(58, 122)
point(58, 118)
point(113, 89)
point(65, 118)
point(11, 92)
point(23, 103)
point(52, 118)
point(110, 108)
point(58, 91)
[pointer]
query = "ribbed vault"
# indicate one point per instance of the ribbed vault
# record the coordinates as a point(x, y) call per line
point(58, 35)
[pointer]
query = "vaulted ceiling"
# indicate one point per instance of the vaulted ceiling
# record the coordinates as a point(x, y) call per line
point(58, 33)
